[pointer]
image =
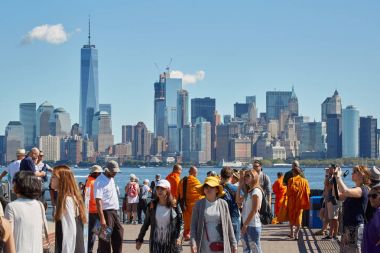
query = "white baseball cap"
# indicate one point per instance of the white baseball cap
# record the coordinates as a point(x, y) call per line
point(164, 184)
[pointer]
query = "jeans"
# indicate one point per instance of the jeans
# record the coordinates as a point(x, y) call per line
point(251, 240)
point(237, 229)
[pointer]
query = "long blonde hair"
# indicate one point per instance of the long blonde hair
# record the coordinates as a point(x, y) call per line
point(67, 186)
point(255, 181)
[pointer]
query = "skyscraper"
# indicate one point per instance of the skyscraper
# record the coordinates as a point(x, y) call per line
point(142, 142)
point(51, 146)
point(205, 108)
point(275, 102)
point(28, 120)
point(89, 86)
point(60, 123)
point(128, 133)
point(182, 108)
point(173, 85)
point(44, 112)
point(293, 104)
point(250, 100)
point(368, 137)
point(14, 138)
point(334, 135)
point(75, 130)
point(2, 149)
point(331, 105)
point(350, 132)
point(313, 140)
point(106, 108)
point(202, 141)
point(102, 131)
point(160, 123)
point(240, 109)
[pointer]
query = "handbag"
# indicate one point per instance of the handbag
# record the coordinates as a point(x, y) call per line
point(214, 246)
point(47, 247)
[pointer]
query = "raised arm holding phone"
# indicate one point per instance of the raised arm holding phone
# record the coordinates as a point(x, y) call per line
point(355, 200)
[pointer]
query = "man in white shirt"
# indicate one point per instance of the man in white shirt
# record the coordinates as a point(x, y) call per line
point(12, 169)
point(107, 203)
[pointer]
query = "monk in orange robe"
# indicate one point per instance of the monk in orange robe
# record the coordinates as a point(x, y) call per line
point(298, 200)
point(280, 191)
point(174, 177)
point(192, 196)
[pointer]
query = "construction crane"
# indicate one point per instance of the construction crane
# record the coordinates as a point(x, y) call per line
point(168, 67)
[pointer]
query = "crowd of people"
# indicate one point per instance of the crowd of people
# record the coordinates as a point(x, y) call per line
point(214, 216)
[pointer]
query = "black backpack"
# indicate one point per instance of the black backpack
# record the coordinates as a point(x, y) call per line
point(182, 199)
point(265, 212)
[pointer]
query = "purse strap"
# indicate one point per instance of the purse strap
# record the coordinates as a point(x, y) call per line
point(44, 224)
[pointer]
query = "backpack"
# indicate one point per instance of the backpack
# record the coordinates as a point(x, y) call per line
point(182, 199)
point(132, 190)
point(265, 212)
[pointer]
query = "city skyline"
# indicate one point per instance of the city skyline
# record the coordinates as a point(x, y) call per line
point(242, 55)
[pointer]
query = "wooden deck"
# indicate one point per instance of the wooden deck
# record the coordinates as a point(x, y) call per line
point(274, 240)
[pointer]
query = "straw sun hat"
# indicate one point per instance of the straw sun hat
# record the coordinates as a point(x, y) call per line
point(213, 182)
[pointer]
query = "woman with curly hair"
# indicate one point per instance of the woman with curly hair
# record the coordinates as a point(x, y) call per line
point(70, 212)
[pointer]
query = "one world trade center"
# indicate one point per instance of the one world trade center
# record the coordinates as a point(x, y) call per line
point(89, 86)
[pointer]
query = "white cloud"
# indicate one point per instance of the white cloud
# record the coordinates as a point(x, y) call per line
point(53, 34)
point(188, 78)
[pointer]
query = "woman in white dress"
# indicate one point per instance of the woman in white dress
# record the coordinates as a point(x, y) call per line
point(70, 214)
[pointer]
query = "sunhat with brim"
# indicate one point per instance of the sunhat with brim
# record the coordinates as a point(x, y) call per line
point(236, 175)
point(112, 166)
point(96, 169)
point(20, 151)
point(213, 182)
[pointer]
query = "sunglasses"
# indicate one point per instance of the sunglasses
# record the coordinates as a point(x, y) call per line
point(373, 195)
point(209, 187)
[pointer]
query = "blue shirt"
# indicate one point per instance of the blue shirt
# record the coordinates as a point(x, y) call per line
point(27, 164)
point(229, 197)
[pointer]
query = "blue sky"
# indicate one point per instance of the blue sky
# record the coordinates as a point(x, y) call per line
point(244, 48)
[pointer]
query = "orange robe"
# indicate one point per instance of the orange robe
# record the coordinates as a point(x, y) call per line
point(192, 196)
point(298, 199)
point(174, 179)
point(280, 191)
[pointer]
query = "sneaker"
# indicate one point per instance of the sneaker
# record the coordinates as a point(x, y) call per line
point(134, 222)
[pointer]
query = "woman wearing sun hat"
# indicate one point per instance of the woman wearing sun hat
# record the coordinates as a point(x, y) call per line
point(165, 218)
point(211, 226)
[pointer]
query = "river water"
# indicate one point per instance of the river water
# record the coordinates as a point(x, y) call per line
point(315, 176)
